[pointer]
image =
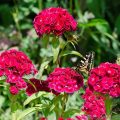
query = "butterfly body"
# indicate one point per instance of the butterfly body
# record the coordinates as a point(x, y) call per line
point(86, 64)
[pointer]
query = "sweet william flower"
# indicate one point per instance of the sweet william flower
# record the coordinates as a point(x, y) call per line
point(65, 119)
point(43, 118)
point(60, 118)
point(54, 20)
point(13, 90)
point(35, 85)
point(105, 79)
point(81, 117)
point(70, 119)
point(14, 65)
point(65, 80)
point(94, 106)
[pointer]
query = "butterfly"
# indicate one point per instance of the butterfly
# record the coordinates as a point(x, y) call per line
point(86, 64)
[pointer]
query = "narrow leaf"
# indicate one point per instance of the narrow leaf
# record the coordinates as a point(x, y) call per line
point(2, 78)
point(41, 70)
point(70, 112)
point(26, 112)
point(71, 52)
point(116, 117)
point(33, 97)
point(55, 53)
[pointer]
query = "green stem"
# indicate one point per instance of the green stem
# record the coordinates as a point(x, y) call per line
point(40, 4)
point(108, 104)
point(64, 101)
point(36, 115)
point(71, 6)
point(77, 6)
point(56, 50)
point(15, 14)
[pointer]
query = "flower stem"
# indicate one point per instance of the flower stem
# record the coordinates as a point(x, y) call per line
point(108, 104)
point(64, 101)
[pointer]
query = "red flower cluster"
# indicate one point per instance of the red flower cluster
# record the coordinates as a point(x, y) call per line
point(14, 65)
point(43, 118)
point(34, 86)
point(106, 79)
point(65, 80)
point(80, 117)
point(54, 20)
point(94, 106)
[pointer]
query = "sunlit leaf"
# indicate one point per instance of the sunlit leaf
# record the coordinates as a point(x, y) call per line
point(70, 112)
point(93, 23)
point(55, 48)
point(28, 76)
point(26, 112)
point(34, 96)
point(55, 53)
point(2, 78)
point(2, 99)
point(41, 70)
point(72, 53)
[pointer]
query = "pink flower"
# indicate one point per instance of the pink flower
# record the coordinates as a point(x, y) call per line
point(13, 90)
point(81, 117)
point(94, 106)
point(34, 86)
point(65, 80)
point(14, 65)
point(105, 79)
point(43, 118)
point(60, 118)
point(54, 20)
point(70, 119)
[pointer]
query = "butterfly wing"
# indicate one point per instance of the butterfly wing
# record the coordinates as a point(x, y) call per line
point(86, 64)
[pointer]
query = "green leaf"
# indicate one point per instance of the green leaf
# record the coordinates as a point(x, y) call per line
point(45, 41)
point(102, 28)
point(70, 112)
point(26, 112)
point(71, 52)
point(55, 53)
point(2, 78)
point(97, 7)
point(55, 42)
point(115, 117)
point(56, 105)
point(117, 24)
point(35, 96)
point(55, 48)
point(28, 76)
point(96, 39)
point(41, 70)
point(15, 106)
point(2, 100)
point(93, 23)
point(108, 105)
point(25, 26)
point(115, 42)
point(35, 9)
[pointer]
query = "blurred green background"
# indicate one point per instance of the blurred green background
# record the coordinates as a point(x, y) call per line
point(98, 31)
point(98, 26)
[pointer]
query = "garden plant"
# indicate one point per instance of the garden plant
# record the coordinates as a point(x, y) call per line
point(58, 81)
